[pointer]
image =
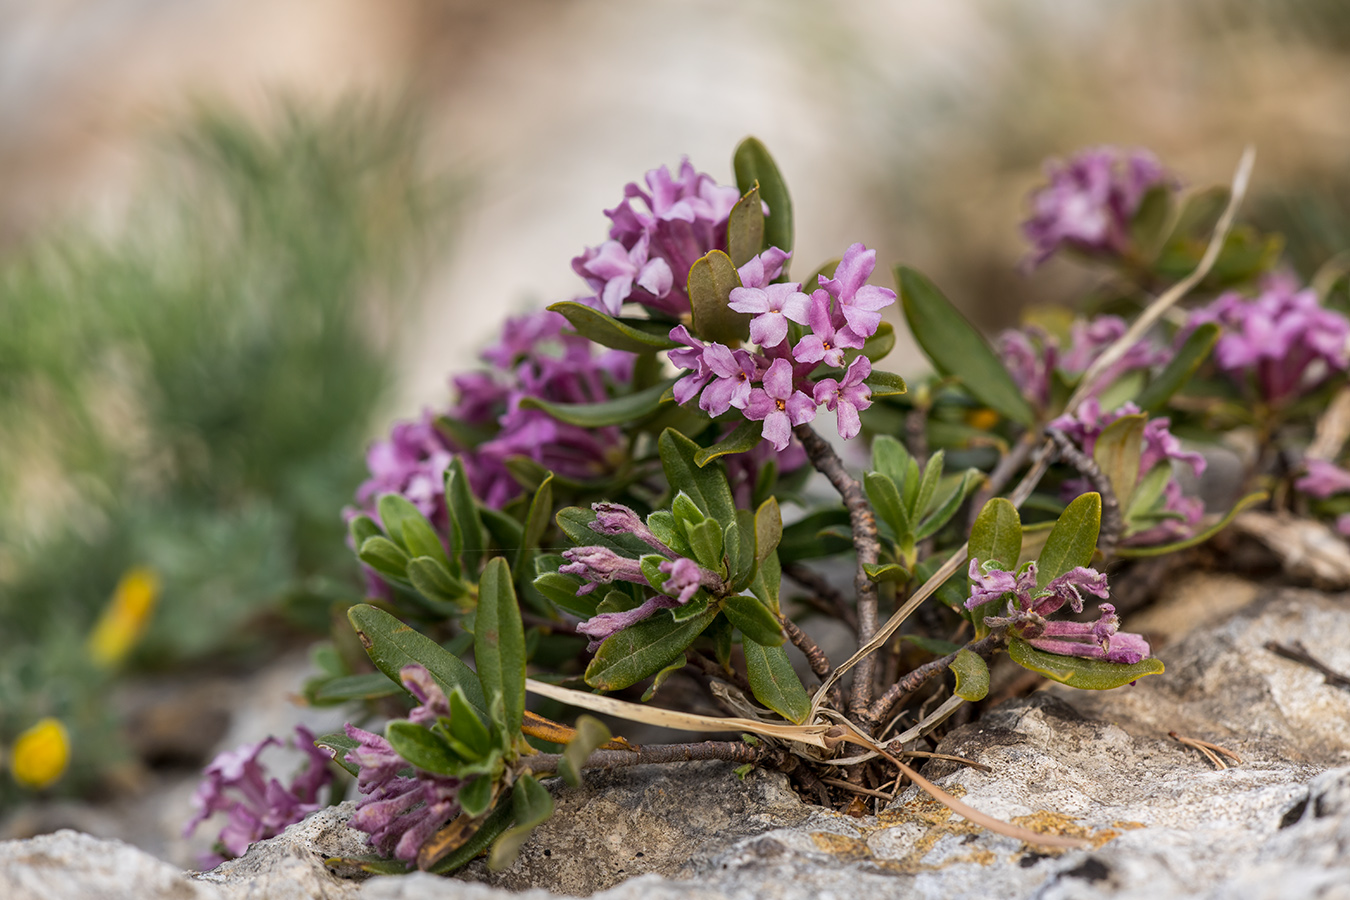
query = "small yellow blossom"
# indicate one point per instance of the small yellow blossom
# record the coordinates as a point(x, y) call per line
point(125, 617)
point(984, 419)
point(40, 755)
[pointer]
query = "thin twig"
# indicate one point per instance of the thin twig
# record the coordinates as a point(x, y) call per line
point(727, 751)
point(1298, 653)
point(1003, 472)
point(857, 789)
point(1112, 523)
point(1205, 747)
point(948, 757)
point(985, 647)
point(865, 542)
point(815, 657)
point(823, 593)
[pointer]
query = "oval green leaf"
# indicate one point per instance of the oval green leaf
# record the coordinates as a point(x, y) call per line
point(423, 748)
point(632, 336)
point(619, 411)
point(972, 676)
point(754, 165)
point(1088, 674)
point(997, 534)
point(754, 620)
point(885, 384)
point(392, 645)
point(1072, 541)
point(774, 683)
point(705, 484)
point(745, 228)
point(1117, 454)
point(712, 278)
point(646, 648)
point(499, 646)
point(744, 437)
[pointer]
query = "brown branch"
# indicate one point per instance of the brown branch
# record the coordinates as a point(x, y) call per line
point(824, 596)
point(985, 647)
point(1113, 522)
point(815, 657)
point(868, 547)
point(728, 751)
point(1298, 653)
point(1003, 472)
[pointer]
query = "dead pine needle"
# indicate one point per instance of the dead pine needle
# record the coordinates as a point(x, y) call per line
point(1211, 751)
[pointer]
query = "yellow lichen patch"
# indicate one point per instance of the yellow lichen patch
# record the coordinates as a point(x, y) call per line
point(40, 755)
point(841, 846)
point(1046, 822)
point(125, 617)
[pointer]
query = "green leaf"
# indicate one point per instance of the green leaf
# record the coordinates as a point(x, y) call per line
point(392, 645)
point(878, 346)
point(423, 748)
point(720, 632)
point(889, 457)
point(740, 546)
point(741, 439)
point(1187, 359)
point(712, 278)
point(680, 662)
point(467, 539)
point(408, 528)
point(575, 522)
point(686, 511)
point(430, 578)
point(693, 609)
point(1117, 454)
point(972, 675)
point(886, 572)
point(1194, 540)
point(499, 646)
point(997, 534)
point(504, 530)
point(706, 485)
point(1072, 541)
point(886, 500)
point(768, 529)
point(754, 620)
point(627, 657)
point(802, 539)
point(362, 527)
point(1149, 491)
point(957, 349)
point(632, 335)
point(885, 384)
point(1088, 674)
point(339, 745)
point(590, 734)
point(475, 796)
point(367, 686)
point(745, 228)
point(385, 557)
point(932, 474)
point(706, 540)
point(949, 506)
point(618, 411)
point(536, 523)
point(774, 683)
point(483, 834)
point(466, 728)
point(1146, 229)
point(768, 581)
point(562, 590)
point(531, 806)
point(754, 166)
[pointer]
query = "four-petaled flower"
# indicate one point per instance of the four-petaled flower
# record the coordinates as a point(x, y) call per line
point(848, 397)
point(773, 305)
point(826, 342)
point(779, 405)
point(860, 302)
point(736, 371)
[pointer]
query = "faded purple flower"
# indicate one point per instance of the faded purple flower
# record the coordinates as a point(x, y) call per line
point(1323, 479)
point(258, 807)
point(600, 565)
point(860, 302)
point(828, 340)
point(848, 397)
point(614, 519)
point(602, 625)
point(735, 371)
point(779, 405)
point(398, 812)
point(686, 577)
point(1090, 202)
point(1283, 342)
point(1087, 425)
point(774, 306)
point(431, 699)
point(1095, 640)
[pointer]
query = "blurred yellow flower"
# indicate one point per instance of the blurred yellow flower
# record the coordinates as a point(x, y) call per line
point(125, 617)
point(983, 419)
point(40, 754)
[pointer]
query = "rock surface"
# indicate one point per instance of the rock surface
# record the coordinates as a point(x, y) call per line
point(1164, 821)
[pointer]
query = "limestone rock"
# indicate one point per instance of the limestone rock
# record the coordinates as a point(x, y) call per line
point(68, 865)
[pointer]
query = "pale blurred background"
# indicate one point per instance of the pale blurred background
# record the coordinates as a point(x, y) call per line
point(358, 191)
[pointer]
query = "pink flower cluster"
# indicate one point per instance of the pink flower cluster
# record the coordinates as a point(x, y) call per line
point(773, 385)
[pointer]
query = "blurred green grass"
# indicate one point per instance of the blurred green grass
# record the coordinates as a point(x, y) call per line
point(191, 390)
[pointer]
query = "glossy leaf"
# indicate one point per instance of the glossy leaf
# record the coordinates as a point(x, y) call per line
point(972, 675)
point(957, 349)
point(1179, 370)
point(475, 796)
point(741, 439)
point(536, 523)
point(768, 581)
point(889, 457)
point(1072, 541)
point(754, 165)
point(712, 278)
point(385, 557)
point(422, 747)
point(644, 649)
point(745, 228)
point(392, 645)
point(1117, 454)
point(774, 683)
point(997, 534)
point(631, 336)
point(885, 384)
point(467, 538)
point(706, 485)
point(1088, 674)
point(887, 502)
point(1149, 492)
point(499, 646)
point(878, 346)
point(621, 410)
point(740, 547)
point(531, 806)
point(338, 744)
point(928, 484)
point(753, 619)
point(949, 506)
point(886, 572)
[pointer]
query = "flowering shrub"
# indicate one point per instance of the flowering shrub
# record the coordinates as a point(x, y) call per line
point(605, 506)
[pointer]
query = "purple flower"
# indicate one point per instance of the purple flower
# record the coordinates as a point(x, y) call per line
point(600, 565)
point(412, 462)
point(613, 270)
point(773, 305)
point(1087, 425)
point(1182, 516)
point(991, 585)
point(615, 519)
point(1284, 341)
point(828, 339)
point(860, 302)
point(1090, 202)
point(1023, 595)
point(1030, 364)
point(686, 577)
point(602, 625)
point(431, 699)
point(735, 371)
point(398, 812)
point(763, 269)
point(691, 358)
point(1095, 640)
point(258, 807)
point(1323, 479)
point(847, 398)
point(779, 405)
